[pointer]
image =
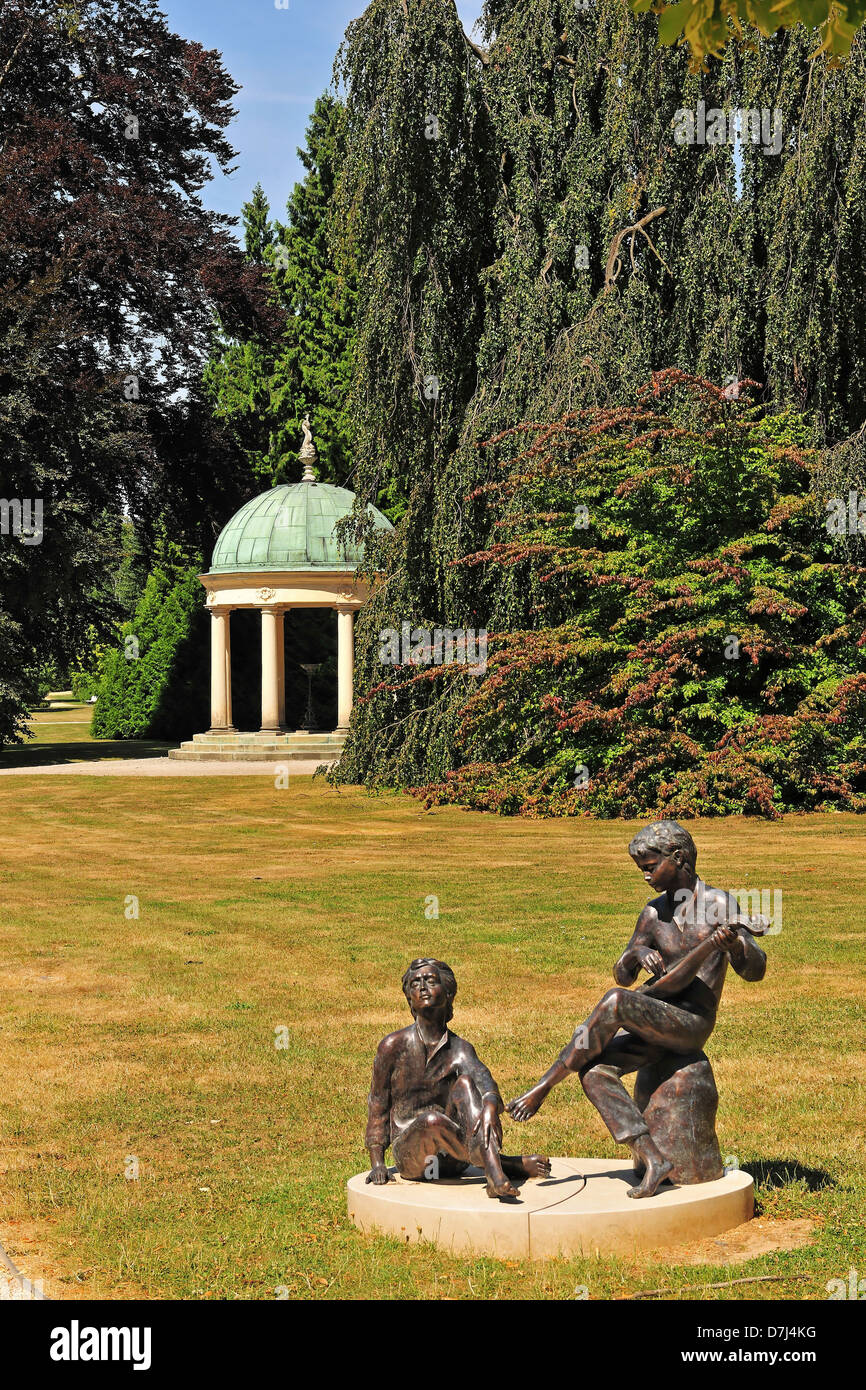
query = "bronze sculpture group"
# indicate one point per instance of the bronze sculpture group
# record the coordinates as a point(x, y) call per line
point(438, 1107)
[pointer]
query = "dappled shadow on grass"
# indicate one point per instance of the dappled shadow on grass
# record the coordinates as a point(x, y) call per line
point(45, 754)
point(782, 1172)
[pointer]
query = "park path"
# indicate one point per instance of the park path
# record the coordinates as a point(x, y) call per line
point(162, 767)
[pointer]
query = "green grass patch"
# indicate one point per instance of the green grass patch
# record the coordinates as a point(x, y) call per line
point(154, 1037)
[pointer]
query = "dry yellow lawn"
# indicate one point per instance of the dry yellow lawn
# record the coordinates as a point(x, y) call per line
point(153, 1038)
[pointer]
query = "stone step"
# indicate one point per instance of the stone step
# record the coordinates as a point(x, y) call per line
point(291, 745)
point(285, 750)
point(256, 746)
point(249, 755)
point(305, 744)
point(287, 739)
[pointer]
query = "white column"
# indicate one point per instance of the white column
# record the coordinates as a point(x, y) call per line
point(270, 671)
point(220, 671)
point(345, 666)
point(230, 723)
point(281, 668)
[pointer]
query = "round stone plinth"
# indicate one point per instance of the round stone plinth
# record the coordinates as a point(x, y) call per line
point(557, 1216)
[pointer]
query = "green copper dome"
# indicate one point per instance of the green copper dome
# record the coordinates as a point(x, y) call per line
point(291, 527)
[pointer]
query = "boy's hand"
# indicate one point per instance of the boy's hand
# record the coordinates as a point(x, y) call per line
point(649, 960)
point(378, 1175)
point(727, 940)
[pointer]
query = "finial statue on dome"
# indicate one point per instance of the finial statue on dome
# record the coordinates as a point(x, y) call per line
point(309, 453)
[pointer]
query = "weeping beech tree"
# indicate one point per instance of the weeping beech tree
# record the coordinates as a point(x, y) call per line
point(529, 239)
point(699, 643)
point(414, 210)
point(808, 215)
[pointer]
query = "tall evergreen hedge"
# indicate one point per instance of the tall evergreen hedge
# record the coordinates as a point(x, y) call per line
point(154, 683)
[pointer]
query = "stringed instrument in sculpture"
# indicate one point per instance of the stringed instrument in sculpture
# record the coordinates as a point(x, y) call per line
point(694, 959)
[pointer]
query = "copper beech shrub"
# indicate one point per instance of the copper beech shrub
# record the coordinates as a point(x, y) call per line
point(698, 637)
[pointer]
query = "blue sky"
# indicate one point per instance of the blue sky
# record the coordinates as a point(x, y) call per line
point(283, 59)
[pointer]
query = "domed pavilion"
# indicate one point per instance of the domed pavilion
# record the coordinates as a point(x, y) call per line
point(280, 552)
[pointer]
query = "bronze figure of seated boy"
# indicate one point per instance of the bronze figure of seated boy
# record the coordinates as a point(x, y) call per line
point(434, 1101)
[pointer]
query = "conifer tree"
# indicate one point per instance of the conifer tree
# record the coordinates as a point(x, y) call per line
point(237, 378)
point(258, 231)
point(263, 387)
point(312, 373)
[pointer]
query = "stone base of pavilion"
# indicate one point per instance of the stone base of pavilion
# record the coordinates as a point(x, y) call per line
point(583, 1208)
point(223, 746)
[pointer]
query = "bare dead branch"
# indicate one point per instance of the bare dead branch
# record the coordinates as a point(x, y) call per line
point(614, 262)
point(725, 1284)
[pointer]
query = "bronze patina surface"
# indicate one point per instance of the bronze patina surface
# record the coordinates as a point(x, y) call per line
point(434, 1101)
point(685, 938)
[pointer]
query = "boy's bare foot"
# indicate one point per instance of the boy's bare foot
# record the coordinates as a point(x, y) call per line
point(526, 1165)
point(503, 1190)
point(536, 1165)
point(527, 1105)
point(656, 1167)
point(653, 1177)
